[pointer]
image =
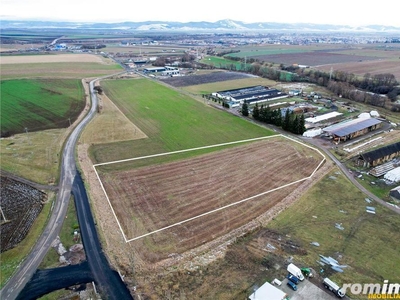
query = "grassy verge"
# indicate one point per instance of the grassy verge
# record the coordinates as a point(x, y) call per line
point(367, 244)
point(208, 88)
point(34, 156)
point(66, 235)
point(11, 259)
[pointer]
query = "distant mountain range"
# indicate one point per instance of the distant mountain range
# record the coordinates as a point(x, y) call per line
point(222, 25)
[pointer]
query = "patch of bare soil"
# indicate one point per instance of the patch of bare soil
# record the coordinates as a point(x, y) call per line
point(20, 204)
point(315, 58)
point(73, 256)
point(128, 257)
point(373, 67)
point(226, 267)
point(150, 198)
point(181, 81)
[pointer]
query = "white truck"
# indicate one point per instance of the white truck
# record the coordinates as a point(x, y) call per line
point(329, 284)
point(292, 269)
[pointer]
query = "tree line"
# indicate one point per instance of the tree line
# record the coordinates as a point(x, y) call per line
point(290, 121)
point(374, 90)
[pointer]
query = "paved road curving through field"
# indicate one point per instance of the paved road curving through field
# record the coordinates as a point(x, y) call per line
point(29, 266)
point(350, 176)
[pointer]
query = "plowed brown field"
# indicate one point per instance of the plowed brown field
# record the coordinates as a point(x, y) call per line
point(149, 198)
point(51, 58)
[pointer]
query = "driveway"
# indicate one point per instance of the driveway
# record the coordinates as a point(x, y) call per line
point(306, 290)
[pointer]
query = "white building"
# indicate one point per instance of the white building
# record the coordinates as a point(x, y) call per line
point(268, 292)
point(393, 175)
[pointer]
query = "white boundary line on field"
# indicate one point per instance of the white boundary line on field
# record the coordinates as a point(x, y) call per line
point(211, 211)
point(181, 151)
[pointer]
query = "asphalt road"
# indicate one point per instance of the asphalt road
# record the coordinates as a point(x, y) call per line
point(318, 144)
point(67, 175)
point(48, 280)
point(28, 267)
point(102, 273)
point(109, 283)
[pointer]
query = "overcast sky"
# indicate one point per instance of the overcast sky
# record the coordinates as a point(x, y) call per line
point(341, 12)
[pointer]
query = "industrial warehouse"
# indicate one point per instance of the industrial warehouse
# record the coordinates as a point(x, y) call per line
point(347, 130)
point(249, 95)
point(164, 71)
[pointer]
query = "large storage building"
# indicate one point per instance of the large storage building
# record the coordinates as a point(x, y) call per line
point(379, 156)
point(348, 130)
point(250, 95)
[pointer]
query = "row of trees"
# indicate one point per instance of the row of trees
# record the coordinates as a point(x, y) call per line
point(341, 83)
point(379, 83)
point(289, 122)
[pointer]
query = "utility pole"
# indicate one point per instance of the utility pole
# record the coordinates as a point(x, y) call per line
point(26, 130)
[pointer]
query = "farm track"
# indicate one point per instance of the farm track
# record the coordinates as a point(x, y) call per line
point(28, 182)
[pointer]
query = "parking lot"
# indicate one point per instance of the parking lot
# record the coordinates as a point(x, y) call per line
point(306, 290)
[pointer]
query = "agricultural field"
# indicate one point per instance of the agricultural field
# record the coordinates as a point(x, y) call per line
point(356, 59)
point(312, 59)
point(171, 121)
point(145, 50)
point(39, 95)
point(50, 58)
point(271, 49)
point(208, 88)
point(61, 66)
point(220, 62)
point(35, 203)
point(20, 205)
point(161, 266)
point(373, 67)
point(184, 81)
point(153, 197)
point(19, 46)
point(186, 184)
point(34, 105)
point(262, 255)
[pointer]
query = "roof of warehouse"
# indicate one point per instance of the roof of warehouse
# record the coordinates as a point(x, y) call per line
point(257, 91)
point(265, 93)
point(381, 152)
point(348, 127)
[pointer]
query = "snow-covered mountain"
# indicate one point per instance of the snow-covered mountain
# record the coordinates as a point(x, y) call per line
point(222, 25)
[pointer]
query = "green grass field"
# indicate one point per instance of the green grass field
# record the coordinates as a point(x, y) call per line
point(258, 52)
point(171, 120)
point(220, 62)
point(368, 244)
point(208, 88)
point(70, 224)
point(40, 104)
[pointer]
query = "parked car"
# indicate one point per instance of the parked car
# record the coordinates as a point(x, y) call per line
point(293, 278)
point(292, 285)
